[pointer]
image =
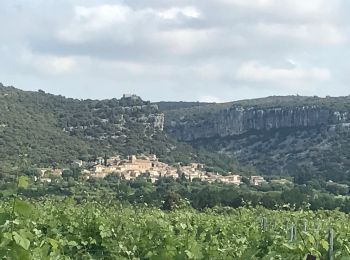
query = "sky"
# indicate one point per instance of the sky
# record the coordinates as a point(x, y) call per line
point(203, 50)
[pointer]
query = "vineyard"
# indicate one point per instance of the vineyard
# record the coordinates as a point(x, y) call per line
point(53, 229)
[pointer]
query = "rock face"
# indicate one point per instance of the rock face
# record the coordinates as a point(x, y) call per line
point(237, 120)
point(159, 122)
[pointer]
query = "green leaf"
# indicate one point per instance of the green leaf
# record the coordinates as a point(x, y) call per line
point(189, 254)
point(149, 254)
point(23, 208)
point(7, 235)
point(23, 182)
point(324, 244)
point(310, 238)
point(10, 190)
point(4, 216)
point(21, 241)
point(53, 243)
point(290, 247)
point(19, 253)
point(72, 243)
point(347, 249)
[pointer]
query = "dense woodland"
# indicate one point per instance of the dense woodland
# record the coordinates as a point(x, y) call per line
point(53, 130)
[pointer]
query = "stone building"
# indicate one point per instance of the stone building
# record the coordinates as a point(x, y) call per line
point(257, 180)
point(231, 179)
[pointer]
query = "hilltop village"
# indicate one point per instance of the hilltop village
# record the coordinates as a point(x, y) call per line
point(146, 166)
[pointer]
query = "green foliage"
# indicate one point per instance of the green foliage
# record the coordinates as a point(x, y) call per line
point(306, 153)
point(62, 229)
point(170, 194)
point(53, 130)
point(56, 228)
point(23, 182)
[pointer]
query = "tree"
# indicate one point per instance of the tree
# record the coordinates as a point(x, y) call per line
point(32, 172)
point(171, 200)
point(302, 175)
point(66, 174)
point(105, 159)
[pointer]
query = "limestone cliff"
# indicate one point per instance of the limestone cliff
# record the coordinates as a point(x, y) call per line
point(236, 120)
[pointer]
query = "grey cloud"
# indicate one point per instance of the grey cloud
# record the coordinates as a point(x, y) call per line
point(164, 50)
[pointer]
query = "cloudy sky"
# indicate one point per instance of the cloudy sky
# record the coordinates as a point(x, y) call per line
point(203, 50)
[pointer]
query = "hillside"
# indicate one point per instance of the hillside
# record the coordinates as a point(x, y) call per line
point(52, 129)
point(304, 137)
point(290, 135)
point(173, 105)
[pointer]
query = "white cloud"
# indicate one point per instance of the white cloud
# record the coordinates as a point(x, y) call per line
point(303, 33)
point(207, 71)
point(90, 22)
point(177, 49)
point(292, 62)
point(49, 64)
point(253, 71)
point(174, 12)
point(119, 22)
point(250, 3)
point(101, 16)
point(297, 7)
point(56, 64)
point(184, 41)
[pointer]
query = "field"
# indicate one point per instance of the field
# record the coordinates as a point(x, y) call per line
point(63, 229)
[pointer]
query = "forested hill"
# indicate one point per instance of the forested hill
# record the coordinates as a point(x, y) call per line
point(305, 137)
point(291, 135)
point(50, 129)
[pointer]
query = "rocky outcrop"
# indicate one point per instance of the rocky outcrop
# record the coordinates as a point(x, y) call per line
point(159, 122)
point(237, 120)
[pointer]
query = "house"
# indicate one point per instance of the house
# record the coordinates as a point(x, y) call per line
point(257, 180)
point(153, 179)
point(197, 166)
point(100, 160)
point(115, 160)
point(154, 173)
point(153, 157)
point(231, 179)
point(172, 172)
point(211, 177)
point(190, 175)
point(99, 168)
point(135, 164)
point(131, 96)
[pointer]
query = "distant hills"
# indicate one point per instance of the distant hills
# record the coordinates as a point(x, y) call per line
point(53, 130)
point(306, 137)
